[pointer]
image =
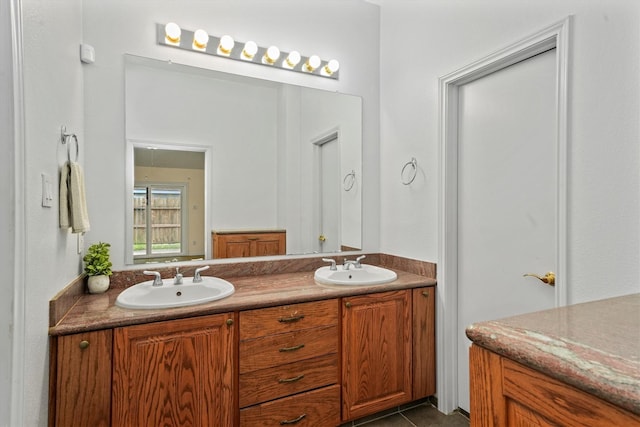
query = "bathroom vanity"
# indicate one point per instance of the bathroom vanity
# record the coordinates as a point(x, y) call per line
point(577, 365)
point(281, 350)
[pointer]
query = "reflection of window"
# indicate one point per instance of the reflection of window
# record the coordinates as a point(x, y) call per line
point(158, 220)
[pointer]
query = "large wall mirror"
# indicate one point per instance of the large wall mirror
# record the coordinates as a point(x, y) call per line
point(214, 154)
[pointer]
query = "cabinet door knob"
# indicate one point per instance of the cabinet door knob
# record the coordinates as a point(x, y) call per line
point(84, 344)
point(425, 293)
point(229, 322)
point(347, 304)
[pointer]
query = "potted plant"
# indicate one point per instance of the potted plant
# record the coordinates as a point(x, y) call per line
point(98, 267)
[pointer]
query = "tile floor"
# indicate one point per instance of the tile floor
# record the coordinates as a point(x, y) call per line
point(422, 414)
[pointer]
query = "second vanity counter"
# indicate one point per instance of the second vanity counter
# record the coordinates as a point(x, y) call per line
point(95, 312)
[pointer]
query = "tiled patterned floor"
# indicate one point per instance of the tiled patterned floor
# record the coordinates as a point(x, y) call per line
point(422, 415)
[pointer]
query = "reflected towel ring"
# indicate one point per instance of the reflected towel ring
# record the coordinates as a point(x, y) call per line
point(349, 180)
point(411, 174)
point(64, 137)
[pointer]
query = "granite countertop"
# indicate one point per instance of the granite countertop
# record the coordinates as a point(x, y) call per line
point(95, 312)
point(593, 346)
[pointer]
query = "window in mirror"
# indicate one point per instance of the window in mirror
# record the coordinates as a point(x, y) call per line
point(158, 220)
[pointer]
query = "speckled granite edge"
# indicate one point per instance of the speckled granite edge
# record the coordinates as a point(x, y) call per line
point(67, 298)
point(608, 376)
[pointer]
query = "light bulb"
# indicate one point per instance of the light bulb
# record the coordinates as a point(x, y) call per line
point(312, 63)
point(200, 39)
point(292, 59)
point(271, 55)
point(226, 45)
point(172, 33)
point(331, 67)
point(249, 51)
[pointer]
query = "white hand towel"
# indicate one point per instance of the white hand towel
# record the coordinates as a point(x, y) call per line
point(73, 204)
point(65, 217)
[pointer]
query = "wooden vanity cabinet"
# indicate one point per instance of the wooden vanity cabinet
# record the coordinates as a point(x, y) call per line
point(178, 372)
point(242, 244)
point(80, 379)
point(376, 352)
point(424, 342)
point(289, 365)
point(507, 393)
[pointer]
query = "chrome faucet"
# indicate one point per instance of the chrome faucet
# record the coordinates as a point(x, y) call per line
point(178, 279)
point(333, 263)
point(157, 281)
point(196, 276)
point(356, 264)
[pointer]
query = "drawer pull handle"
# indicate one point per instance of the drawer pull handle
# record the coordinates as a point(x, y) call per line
point(291, 380)
point(291, 319)
point(294, 348)
point(293, 421)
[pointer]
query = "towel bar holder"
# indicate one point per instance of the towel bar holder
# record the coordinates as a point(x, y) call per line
point(411, 170)
point(64, 137)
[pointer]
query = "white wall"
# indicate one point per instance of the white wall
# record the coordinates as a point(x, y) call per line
point(423, 40)
point(310, 26)
point(53, 97)
point(6, 212)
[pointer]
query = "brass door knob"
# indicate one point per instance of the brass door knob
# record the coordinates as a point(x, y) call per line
point(549, 278)
point(322, 238)
point(84, 344)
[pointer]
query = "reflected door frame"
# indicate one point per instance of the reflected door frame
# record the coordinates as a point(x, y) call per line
point(556, 35)
point(130, 182)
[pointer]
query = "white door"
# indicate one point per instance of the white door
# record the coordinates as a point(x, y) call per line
point(330, 205)
point(507, 186)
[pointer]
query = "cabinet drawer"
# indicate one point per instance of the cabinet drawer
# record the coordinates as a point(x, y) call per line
point(290, 347)
point(314, 408)
point(287, 318)
point(284, 380)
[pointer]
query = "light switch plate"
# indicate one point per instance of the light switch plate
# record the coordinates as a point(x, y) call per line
point(47, 191)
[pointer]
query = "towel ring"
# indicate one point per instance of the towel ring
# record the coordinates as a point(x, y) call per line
point(349, 180)
point(412, 173)
point(64, 137)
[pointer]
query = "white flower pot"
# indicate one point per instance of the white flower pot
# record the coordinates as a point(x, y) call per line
point(98, 284)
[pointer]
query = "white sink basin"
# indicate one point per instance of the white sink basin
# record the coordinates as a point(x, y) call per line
point(145, 296)
point(366, 275)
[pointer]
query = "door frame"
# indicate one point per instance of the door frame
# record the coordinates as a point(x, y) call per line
point(555, 36)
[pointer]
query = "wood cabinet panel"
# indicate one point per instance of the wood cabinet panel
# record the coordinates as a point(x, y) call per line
point(83, 379)
point(248, 244)
point(424, 344)
point(286, 318)
point(506, 393)
point(272, 350)
point(284, 380)
point(318, 408)
point(178, 372)
point(377, 352)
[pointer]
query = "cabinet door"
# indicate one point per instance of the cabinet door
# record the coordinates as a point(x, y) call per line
point(424, 331)
point(376, 360)
point(82, 390)
point(177, 373)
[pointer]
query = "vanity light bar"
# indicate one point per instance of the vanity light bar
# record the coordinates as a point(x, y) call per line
point(225, 47)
